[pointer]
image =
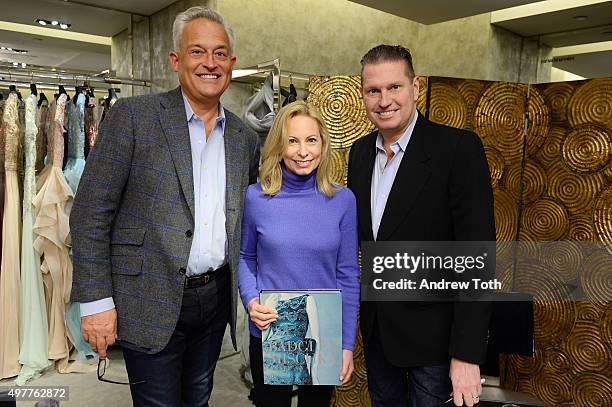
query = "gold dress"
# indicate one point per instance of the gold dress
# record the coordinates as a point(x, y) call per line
point(52, 205)
point(11, 238)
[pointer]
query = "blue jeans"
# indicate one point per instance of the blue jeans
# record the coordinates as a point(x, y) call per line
point(181, 375)
point(393, 386)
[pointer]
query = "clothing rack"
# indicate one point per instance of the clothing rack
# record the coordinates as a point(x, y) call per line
point(50, 78)
point(258, 73)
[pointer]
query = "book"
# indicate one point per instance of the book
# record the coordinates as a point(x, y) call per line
point(304, 345)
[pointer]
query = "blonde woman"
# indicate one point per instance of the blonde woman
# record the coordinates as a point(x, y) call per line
point(299, 232)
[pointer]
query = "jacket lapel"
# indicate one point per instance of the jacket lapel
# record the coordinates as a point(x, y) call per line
point(176, 131)
point(411, 177)
point(235, 168)
point(362, 176)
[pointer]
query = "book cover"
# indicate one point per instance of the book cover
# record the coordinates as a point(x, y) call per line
point(304, 345)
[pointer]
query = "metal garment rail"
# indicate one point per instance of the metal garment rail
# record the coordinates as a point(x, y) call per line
point(14, 75)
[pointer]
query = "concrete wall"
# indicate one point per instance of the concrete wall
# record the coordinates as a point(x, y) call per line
point(328, 37)
point(322, 37)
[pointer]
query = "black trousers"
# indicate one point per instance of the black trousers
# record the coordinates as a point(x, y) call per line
point(267, 395)
point(181, 375)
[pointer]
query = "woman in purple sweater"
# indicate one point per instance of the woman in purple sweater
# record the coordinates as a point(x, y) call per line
point(299, 231)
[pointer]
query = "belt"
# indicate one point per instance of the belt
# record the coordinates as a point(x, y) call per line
point(205, 278)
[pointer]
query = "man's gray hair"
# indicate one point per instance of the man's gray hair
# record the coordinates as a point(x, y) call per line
point(198, 12)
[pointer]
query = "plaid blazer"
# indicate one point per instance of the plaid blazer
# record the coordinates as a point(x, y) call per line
point(133, 214)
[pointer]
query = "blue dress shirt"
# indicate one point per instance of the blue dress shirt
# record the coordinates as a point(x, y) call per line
point(384, 173)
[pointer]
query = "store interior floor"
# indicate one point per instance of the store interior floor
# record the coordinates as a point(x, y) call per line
point(85, 389)
point(230, 390)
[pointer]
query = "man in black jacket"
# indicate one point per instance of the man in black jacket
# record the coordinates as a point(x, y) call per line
point(418, 181)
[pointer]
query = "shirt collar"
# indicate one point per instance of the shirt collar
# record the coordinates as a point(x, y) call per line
point(402, 143)
point(191, 114)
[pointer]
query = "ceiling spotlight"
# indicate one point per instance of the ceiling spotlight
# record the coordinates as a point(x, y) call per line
point(54, 22)
point(64, 26)
point(2, 47)
point(41, 22)
point(580, 18)
point(23, 64)
point(9, 49)
point(15, 63)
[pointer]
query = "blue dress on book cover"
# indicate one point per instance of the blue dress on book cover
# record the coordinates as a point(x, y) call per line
point(303, 346)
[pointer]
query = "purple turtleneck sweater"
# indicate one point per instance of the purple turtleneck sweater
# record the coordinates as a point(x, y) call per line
point(301, 239)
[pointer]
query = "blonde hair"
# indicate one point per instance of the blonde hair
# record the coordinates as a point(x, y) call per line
point(270, 173)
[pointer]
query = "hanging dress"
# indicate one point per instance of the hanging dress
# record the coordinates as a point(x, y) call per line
point(259, 110)
point(41, 137)
point(93, 116)
point(1, 166)
point(11, 232)
point(34, 337)
point(51, 234)
point(76, 143)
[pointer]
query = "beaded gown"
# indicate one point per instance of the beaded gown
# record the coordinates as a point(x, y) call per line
point(76, 142)
point(11, 238)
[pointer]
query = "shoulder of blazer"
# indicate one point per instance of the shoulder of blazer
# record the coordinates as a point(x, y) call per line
point(365, 142)
point(440, 138)
point(234, 122)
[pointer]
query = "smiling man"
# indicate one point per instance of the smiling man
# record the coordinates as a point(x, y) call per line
point(156, 222)
point(418, 181)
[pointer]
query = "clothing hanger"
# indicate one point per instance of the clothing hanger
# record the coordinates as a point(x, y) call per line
point(91, 98)
point(42, 99)
point(77, 90)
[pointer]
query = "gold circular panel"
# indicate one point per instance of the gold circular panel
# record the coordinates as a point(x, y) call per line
point(605, 327)
point(500, 119)
point(592, 103)
point(596, 276)
point(505, 215)
point(446, 105)
point(576, 191)
point(591, 390)
point(550, 151)
point(546, 220)
point(587, 349)
point(588, 311)
point(338, 98)
point(581, 229)
point(587, 148)
point(496, 164)
point(558, 360)
point(554, 313)
point(602, 216)
point(422, 99)
point(339, 165)
point(557, 95)
point(552, 387)
point(534, 181)
point(564, 259)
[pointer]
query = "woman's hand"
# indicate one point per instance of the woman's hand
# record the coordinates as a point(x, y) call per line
point(347, 366)
point(261, 315)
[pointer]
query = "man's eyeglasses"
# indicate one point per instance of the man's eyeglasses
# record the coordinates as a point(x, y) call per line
point(102, 370)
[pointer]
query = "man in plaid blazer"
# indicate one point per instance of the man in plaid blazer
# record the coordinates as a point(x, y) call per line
point(156, 222)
